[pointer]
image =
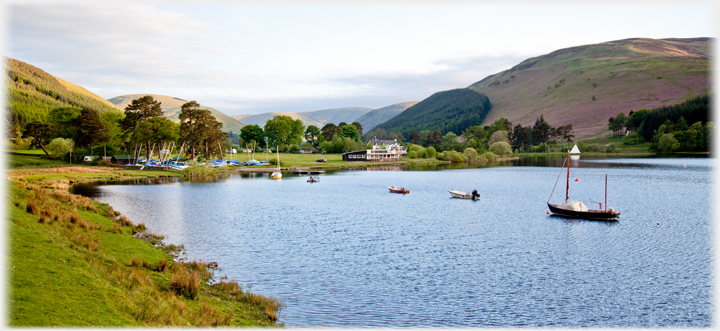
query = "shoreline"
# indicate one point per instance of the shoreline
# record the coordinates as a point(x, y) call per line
point(352, 165)
point(82, 235)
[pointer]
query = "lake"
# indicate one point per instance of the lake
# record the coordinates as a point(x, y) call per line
point(346, 253)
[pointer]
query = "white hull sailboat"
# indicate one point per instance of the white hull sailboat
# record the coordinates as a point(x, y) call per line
point(277, 174)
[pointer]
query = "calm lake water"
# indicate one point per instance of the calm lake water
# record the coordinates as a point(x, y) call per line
point(346, 253)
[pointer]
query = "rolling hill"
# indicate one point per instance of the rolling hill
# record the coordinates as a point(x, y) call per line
point(586, 85)
point(317, 117)
point(31, 93)
point(447, 111)
point(381, 115)
point(171, 107)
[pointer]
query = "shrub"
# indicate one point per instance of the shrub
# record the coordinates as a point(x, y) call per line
point(442, 156)
point(137, 278)
point(33, 207)
point(454, 156)
point(581, 146)
point(595, 148)
point(431, 153)
point(162, 265)
point(470, 153)
point(611, 149)
point(501, 148)
point(19, 143)
point(498, 136)
point(58, 147)
point(185, 283)
point(490, 156)
point(412, 155)
point(666, 143)
point(124, 221)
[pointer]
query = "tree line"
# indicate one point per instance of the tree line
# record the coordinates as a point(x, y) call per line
point(142, 129)
point(669, 128)
point(292, 136)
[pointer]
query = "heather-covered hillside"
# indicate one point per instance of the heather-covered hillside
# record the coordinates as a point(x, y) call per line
point(586, 85)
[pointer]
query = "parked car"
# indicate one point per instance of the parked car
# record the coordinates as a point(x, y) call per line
point(322, 159)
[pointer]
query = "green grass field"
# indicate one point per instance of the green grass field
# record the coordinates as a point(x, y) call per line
point(33, 161)
point(73, 263)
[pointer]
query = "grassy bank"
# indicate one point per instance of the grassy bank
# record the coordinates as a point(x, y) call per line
point(76, 262)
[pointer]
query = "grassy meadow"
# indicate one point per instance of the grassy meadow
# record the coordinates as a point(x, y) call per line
point(76, 262)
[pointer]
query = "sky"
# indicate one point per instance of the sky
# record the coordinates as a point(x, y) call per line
point(255, 57)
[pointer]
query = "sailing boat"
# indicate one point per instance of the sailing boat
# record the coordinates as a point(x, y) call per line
point(277, 174)
point(576, 209)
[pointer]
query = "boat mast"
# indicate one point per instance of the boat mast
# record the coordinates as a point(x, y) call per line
point(605, 192)
point(567, 186)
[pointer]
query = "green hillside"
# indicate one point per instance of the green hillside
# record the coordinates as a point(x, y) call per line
point(447, 111)
point(31, 93)
point(586, 85)
point(381, 115)
point(316, 117)
point(171, 108)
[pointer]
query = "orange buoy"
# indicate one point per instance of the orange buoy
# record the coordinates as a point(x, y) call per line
point(393, 186)
point(658, 223)
point(548, 212)
point(576, 179)
point(684, 165)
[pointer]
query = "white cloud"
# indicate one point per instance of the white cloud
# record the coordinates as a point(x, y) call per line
point(250, 56)
point(104, 44)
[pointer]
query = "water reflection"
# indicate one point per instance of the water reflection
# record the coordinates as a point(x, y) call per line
point(346, 253)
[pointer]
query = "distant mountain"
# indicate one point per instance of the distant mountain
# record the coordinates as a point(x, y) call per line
point(381, 115)
point(317, 117)
point(31, 93)
point(586, 85)
point(447, 111)
point(171, 107)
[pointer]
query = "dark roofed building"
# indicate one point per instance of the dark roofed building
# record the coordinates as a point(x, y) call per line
point(123, 159)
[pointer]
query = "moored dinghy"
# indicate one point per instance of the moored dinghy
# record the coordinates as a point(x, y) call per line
point(402, 190)
point(462, 195)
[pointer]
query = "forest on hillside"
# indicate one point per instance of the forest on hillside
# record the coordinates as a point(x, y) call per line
point(31, 93)
point(679, 128)
point(695, 110)
point(447, 111)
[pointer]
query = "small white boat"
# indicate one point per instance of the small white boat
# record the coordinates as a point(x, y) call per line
point(277, 174)
point(463, 195)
